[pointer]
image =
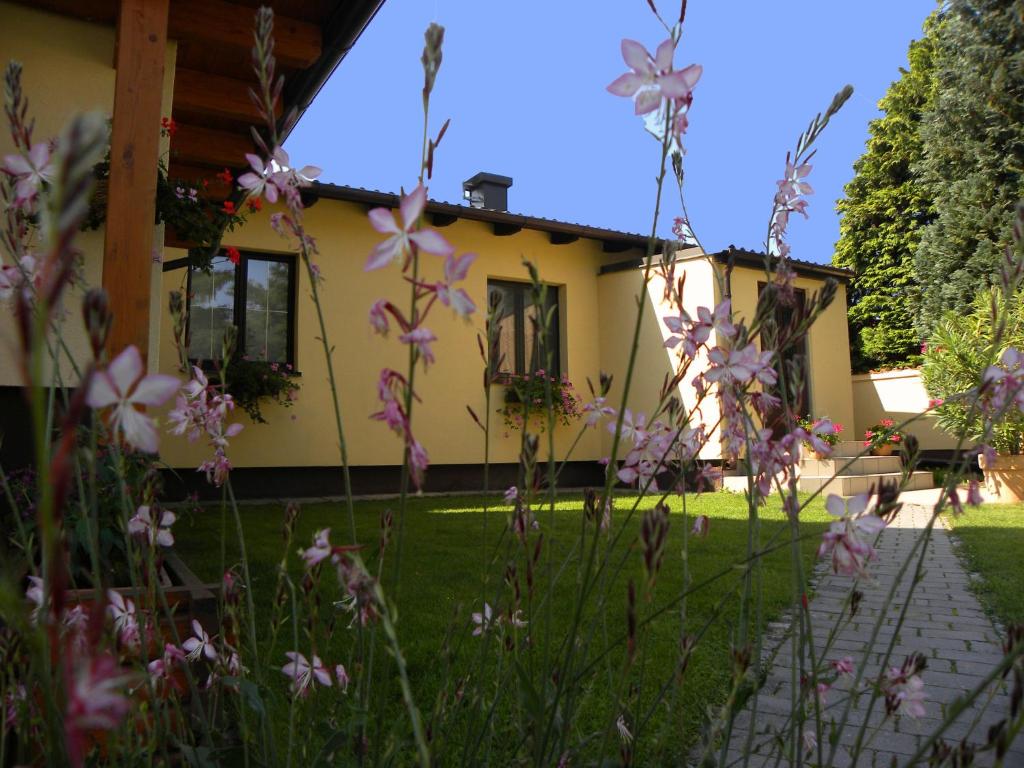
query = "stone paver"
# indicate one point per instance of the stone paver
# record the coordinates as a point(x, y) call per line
point(944, 621)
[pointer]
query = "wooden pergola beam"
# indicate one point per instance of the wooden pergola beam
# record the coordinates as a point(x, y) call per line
point(195, 145)
point(134, 152)
point(215, 96)
point(216, 22)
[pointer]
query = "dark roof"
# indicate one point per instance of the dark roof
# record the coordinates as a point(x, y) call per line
point(742, 257)
point(503, 222)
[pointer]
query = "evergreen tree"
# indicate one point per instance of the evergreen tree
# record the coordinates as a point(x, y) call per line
point(883, 212)
point(973, 142)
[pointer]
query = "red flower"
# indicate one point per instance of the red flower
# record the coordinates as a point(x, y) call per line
point(226, 176)
point(233, 254)
point(228, 208)
point(168, 126)
point(255, 204)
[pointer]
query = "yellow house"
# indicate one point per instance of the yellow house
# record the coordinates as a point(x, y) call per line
point(594, 274)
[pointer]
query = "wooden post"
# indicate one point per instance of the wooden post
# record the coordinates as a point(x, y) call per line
point(134, 152)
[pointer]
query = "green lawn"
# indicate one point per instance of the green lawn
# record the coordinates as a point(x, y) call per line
point(440, 584)
point(993, 539)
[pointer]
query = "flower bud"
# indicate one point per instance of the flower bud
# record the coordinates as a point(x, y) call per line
point(434, 37)
point(230, 342)
point(96, 313)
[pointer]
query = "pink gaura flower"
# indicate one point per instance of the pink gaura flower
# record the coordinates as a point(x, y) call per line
point(13, 277)
point(418, 462)
point(320, 550)
point(701, 526)
point(652, 79)
point(422, 338)
point(379, 317)
point(342, 677)
point(30, 171)
point(96, 701)
point(844, 666)
point(974, 497)
point(597, 410)
point(124, 386)
point(126, 624)
point(843, 540)
point(904, 691)
point(398, 247)
point(741, 365)
point(456, 269)
point(34, 594)
point(304, 674)
point(511, 494)
point(155, 531)
point(484, 620)
point(257, 181)
point(199, 644)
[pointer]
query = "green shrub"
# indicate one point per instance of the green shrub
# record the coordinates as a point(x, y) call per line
point(960, 349)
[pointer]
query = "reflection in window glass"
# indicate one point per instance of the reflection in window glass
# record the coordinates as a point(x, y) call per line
point(521, 322)
point(503, 301)
point(266, 310)
point(211, 309)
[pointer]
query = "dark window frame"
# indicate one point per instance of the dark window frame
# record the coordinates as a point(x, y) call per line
point(241, 270)
point(554, 337)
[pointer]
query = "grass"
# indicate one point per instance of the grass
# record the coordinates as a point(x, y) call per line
point(442, 562)
point(993, 539)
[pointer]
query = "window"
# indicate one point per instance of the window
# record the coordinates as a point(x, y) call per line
point(795, 357)
point(257, 295)
point(521, 344)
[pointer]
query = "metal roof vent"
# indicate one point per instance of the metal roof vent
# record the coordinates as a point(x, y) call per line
point(487, 190)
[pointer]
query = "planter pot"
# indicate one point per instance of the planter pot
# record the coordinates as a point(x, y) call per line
point(883, 450)
point(1004, 478)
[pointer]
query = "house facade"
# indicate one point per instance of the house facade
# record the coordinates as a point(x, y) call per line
point(594, 278)
point(594, 275)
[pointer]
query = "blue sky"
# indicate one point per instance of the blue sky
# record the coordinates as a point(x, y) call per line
point(524, 86)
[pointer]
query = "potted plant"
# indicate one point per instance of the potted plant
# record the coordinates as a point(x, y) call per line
point(960, 350)
point(807, 424)
point(883, 438)
point(526, 397)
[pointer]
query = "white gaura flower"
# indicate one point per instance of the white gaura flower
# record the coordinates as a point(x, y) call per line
point(483, 620)
point(124, 386)
point(200, 644)
point(305, 674)
point(155, 531)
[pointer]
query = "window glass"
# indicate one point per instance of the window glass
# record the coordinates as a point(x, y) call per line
point(266, 310)
point(256, 296)
point(502, 298)
point(519, 337)
point(211, 310)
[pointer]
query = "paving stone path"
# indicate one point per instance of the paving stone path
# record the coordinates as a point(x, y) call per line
point(944, 621)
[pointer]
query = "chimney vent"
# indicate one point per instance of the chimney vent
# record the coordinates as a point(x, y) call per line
point(487, 190)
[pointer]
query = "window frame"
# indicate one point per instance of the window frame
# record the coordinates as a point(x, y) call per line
point(241, 276)
point(520, 289)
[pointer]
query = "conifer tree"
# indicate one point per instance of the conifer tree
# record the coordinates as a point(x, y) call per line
point(884, 211)
point(973, 153)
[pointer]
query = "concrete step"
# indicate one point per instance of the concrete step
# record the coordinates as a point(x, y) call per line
point(850, 485)
point(866, 465)
point(849, 448)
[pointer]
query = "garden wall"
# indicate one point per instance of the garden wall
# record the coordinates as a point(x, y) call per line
point(897, 395)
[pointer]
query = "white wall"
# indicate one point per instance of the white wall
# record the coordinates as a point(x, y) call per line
point(897, 395)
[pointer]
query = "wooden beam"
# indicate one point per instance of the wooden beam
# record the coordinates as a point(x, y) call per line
point(195, 145)
point(215, 22)
point(562, 238)
point(230, 25)
point(504, 230)
point(216, 96)
point(134, 152)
